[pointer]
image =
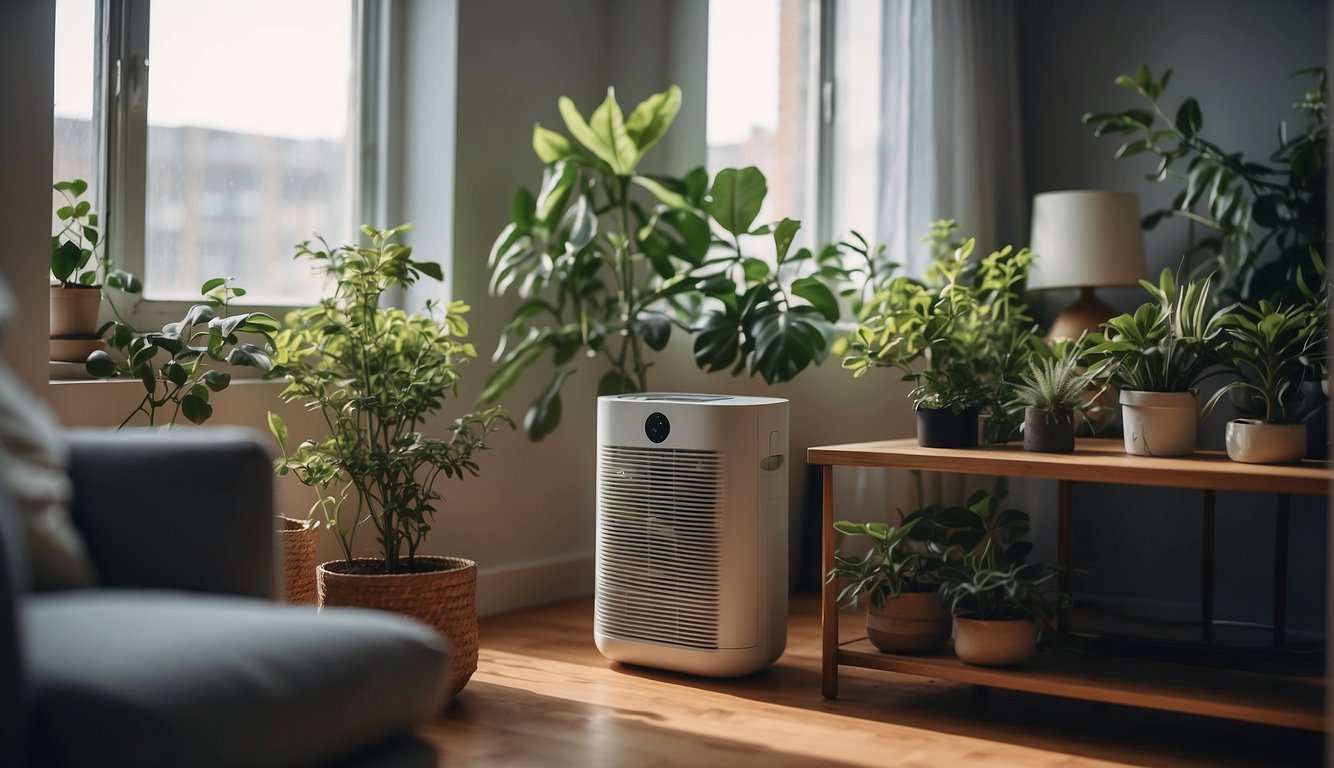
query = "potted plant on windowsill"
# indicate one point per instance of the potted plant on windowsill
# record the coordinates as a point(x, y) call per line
point(1275, 350)
point(379, 376)
point(1053, 392)
point(959, 337)
point(1000, 603)
point(1157, 356)
point(76, 275)
point(896, 576)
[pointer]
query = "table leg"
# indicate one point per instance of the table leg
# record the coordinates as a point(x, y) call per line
point(1063, 578)
point(1207, 567)
point(1281, 530)
point(829, 592)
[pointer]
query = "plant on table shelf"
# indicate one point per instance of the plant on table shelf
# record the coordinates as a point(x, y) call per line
point(181, 365)
point(1260, 219)
point(377, 376)
point(960, 336)
point(1166, 345)
point(1053, 391)
point(608, 259)
point(986, 579)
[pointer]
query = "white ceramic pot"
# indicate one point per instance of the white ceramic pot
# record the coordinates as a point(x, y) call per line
point(1253, 441)
point(1159, 423)
point(1002, 643)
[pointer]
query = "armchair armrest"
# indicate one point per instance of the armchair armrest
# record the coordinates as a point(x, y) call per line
point(185, 508)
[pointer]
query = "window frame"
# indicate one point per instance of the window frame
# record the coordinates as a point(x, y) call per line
point(123, 139)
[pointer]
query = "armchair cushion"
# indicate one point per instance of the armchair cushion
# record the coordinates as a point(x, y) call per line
point(208, 680)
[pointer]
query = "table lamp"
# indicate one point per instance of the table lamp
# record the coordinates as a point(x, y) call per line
point(1085, 239)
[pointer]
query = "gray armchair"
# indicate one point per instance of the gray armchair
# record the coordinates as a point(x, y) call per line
point(181, 657)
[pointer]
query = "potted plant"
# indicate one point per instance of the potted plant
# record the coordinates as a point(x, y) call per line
point(607, 260)
point(379, 376)
point(1000, 603)
point(1053, 392)
point(76, 290)
point(1157, 356)
point(897, 577)
point(1275, 350)
point(959, 337)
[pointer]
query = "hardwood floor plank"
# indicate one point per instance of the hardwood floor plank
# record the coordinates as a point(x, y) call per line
point(543, 696)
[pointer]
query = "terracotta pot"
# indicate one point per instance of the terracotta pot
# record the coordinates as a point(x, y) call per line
point(1048, 431)
point(74, 310)
point(913, 622)
point(1159, 423)
point(72, 349)
point(445, 599)
point(299, 539)
point(1003, 643)
point(943, 428)
point(1252, 441)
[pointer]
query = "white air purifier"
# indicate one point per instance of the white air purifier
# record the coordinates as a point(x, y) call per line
point(692, 532)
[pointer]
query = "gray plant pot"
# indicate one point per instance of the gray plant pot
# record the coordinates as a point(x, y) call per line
point(1049, 431)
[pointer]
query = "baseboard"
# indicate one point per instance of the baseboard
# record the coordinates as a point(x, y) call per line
point(514, 587)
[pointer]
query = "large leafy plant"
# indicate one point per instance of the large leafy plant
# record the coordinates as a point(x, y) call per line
point(960, 336)
point(1256, 221)
point(377, 376)
point(606, 260)
point(902, 558)
point(182, 365)
point(1167, 344)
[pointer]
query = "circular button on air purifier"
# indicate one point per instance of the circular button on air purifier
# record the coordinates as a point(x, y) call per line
point(657, 427)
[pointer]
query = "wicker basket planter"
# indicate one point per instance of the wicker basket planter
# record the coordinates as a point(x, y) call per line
point(299, 538)
point(445, 599)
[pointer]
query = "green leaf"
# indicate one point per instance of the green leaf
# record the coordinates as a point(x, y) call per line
point(175, 373)
point(430, 269)
point(196, 409)
point(786, 343)
point(65, 260)
point(523, 210)
point(614, 382)
point(507, 374)
point(819, 295)
point(278, 428)
point(651, 119)
point(100, 364)
point(210, 284)
point(1189, 119)
point(217, 380)
point(604, 134)
point(557, 185)
point(122, 280)
point(550, 146)
point(661, 190)
point(717, 339)
point(784, 232)
point(543, 415)
point(737, 196)
point(654, 328)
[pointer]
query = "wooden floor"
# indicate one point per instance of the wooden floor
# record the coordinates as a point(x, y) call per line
point(543, 696)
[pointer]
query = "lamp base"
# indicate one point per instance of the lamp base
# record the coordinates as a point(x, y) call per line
point(1084, 316)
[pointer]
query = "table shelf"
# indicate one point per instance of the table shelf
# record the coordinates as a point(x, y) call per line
point(1281, 700)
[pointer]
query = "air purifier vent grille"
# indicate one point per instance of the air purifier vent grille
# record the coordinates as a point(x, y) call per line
point(660, 526)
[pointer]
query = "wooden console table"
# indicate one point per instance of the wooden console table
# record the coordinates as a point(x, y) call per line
point(1295, 702)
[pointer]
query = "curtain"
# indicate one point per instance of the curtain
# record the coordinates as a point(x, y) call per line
point(949, 117)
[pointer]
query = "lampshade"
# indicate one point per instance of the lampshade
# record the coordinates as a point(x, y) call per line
point(1085, 239)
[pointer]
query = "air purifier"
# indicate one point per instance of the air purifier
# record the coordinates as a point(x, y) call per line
point(692, 532)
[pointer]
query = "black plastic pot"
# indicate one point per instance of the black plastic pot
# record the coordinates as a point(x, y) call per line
point(1048, 431)
point(943, 428)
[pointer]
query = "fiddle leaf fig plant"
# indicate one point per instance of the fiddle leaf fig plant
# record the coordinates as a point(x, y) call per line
point(606, 260)
point(378, 376)
point(182, 365)
point(1256, 220)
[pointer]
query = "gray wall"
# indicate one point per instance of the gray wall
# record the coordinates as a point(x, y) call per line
point(1235, 57)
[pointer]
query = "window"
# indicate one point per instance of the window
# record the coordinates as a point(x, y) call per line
point(233, 131)
point(759, 98)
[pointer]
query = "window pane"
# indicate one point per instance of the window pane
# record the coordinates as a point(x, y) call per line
point(74, 150)
point(251, 144)
point(759, 64)
point(857, 129)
